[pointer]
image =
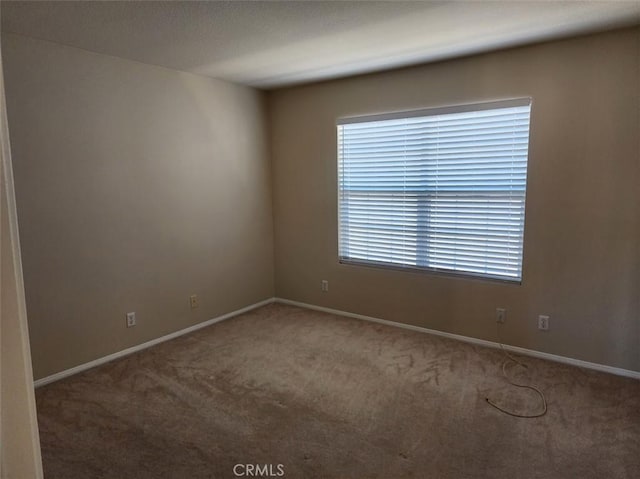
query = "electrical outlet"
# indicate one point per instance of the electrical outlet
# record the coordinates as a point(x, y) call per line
point(131, 319)
point(325, 285)
point(193, 301)
point(543, 323)
point(501, 315)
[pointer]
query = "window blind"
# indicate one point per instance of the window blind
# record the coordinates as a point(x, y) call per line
point(441, 189)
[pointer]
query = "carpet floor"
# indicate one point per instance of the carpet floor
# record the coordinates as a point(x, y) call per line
point(316, 395)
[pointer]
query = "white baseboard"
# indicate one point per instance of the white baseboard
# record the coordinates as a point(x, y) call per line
point(528, 352)
point(148, 344)
point(481, 342)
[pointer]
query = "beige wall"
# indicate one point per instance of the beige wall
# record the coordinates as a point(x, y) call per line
point(582, 254)
point(136, 186)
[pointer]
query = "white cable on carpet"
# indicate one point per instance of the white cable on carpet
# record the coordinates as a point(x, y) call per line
point(513, 383)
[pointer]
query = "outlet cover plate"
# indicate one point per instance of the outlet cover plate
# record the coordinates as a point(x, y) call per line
point(543, 322)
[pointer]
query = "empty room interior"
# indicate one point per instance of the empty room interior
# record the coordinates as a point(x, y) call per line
point(320, 239)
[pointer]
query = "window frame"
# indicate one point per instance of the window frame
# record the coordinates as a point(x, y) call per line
point(434, 111)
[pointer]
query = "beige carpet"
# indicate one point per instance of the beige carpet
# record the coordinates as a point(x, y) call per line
point(331, 397)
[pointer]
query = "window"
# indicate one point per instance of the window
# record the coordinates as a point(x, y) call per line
point(438, 190)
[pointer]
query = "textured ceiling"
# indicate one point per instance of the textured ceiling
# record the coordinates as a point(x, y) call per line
point(274, 44)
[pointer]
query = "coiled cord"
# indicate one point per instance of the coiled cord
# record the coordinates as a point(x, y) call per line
point(509, 357)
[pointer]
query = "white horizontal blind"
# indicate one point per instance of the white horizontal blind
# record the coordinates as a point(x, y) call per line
point(440, 189)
